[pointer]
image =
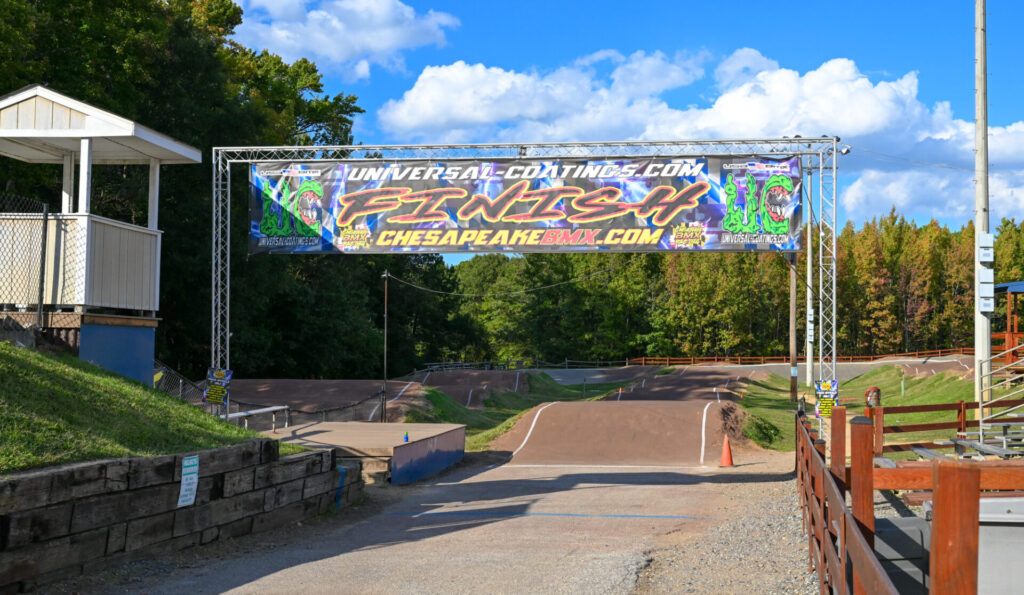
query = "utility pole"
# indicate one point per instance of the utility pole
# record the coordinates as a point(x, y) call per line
point(983, 277)
point(383, 409)
point(792, 327)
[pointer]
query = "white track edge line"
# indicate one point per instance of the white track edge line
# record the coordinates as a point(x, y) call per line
point(703, 431)
point(400, 393)
point(530, 431)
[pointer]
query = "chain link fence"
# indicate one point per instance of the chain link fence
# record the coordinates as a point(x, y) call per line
point(42, 261)
point(23, 238)
point(169, 381)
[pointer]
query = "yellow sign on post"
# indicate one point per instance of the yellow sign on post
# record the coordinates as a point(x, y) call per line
point(824, 406)
point(826, 394)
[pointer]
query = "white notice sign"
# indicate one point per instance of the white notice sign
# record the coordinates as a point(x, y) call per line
point(189, 481)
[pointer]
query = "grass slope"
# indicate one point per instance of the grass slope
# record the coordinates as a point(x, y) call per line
point(770, 422)
point(56, 410)
point(503, 410)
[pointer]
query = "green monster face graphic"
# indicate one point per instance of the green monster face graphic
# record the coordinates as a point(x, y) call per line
point(300, 209)
point(775, 200)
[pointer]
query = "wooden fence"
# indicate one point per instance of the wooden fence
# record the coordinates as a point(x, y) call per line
point(960, 424)
point(782, 359)
point(841, 537)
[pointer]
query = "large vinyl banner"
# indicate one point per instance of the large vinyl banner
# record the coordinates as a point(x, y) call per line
point(635, 205)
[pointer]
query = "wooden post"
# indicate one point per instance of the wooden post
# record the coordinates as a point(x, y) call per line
point(861, 484)
point(879, 439)
point(961, 418)
point(821, 532)
point(838, 462)
point(953, 564)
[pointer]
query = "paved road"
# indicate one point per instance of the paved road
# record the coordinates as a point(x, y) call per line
point(579, 512)
point(506, 529)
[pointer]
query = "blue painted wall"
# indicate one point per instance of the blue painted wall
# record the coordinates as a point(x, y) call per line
point(127, 350)
point(423, 458)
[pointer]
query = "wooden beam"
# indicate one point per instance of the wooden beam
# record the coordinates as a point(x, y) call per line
point(861, 485)
point(154, 192)
point(953, 563)
point(838, 462)
point(85, 175)
point(67, 193)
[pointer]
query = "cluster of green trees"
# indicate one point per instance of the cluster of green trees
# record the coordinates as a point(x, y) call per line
point(902, 287)
point(171, 65)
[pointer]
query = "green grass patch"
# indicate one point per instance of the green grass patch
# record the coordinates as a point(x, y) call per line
point(56, 410)
point(769, 420)
point(665, 371)
point(502, 411)
point(768, 404)
point(900, 389)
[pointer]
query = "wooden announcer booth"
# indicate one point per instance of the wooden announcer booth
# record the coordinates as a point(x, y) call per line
point(94, 282)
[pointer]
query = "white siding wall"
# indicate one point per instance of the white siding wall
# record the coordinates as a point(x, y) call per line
point(91, 261)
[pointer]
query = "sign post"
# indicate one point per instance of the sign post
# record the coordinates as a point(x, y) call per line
point(217, 391)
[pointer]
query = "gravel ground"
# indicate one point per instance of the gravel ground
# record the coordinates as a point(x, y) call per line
point(760, 549)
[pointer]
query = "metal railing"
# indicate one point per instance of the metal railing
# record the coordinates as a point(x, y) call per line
point(1014, 374)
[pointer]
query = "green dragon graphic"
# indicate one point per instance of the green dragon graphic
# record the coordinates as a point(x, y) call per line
point(774, 201)
point(298, 211)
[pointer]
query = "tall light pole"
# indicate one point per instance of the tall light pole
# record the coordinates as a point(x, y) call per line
point(383, 409)
point(983, 277)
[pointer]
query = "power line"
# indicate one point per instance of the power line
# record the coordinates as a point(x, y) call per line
point(897, 158)
point(517, 292)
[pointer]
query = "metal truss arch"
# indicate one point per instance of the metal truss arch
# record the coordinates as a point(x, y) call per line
point(819, 153)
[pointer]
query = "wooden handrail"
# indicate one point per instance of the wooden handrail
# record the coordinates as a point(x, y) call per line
point(823, 503)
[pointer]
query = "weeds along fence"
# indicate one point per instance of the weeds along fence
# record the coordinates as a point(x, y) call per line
point(841, 532)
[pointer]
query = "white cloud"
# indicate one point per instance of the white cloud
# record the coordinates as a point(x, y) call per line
point(600, 56)
point(929, 193)
point(460, 100)
point(894, 135)
point(643, 75)
point(742, 66)
point(352, 34)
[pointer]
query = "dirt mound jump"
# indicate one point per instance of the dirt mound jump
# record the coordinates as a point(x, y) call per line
point(472, 387)
point(618, 433)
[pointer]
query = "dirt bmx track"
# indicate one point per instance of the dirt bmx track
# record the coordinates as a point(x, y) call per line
point(661, 420)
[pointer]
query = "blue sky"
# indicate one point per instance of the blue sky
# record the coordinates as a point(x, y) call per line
point(888, 77)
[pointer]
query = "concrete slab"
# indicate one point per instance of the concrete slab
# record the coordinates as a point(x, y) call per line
point(362, 439)
point(431, 448)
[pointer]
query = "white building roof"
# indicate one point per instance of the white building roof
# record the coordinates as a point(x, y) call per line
point(39, 125)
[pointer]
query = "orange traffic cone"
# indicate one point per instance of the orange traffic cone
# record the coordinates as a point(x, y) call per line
point(726, 453)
